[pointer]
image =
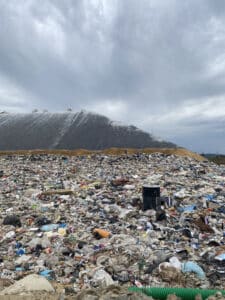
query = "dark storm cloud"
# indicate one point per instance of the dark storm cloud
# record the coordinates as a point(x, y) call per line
point(155, 63)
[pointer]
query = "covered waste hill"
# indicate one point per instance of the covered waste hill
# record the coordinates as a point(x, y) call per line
point(71, 131)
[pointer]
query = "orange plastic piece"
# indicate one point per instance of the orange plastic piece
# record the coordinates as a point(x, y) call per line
point(103, 233)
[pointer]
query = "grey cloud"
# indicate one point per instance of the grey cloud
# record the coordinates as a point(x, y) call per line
point(149, 58)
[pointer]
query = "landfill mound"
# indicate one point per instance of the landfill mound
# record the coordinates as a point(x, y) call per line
point(81, 223)
point(70, 131)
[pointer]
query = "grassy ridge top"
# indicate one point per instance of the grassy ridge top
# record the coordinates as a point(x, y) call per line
point(216, 158)
point(109, 151)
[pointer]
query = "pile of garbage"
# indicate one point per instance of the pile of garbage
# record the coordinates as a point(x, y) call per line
point(79, 221)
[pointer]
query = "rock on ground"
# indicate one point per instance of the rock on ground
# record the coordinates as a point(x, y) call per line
point(30, 283)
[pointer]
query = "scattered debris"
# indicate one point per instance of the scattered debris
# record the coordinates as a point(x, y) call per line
point(89, 229)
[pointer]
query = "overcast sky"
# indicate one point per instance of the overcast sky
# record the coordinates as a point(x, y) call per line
point(157, 64)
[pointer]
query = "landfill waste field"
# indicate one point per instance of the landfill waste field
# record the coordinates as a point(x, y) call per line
point(88, 227)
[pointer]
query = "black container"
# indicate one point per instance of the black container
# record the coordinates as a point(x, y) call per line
point(151, 197)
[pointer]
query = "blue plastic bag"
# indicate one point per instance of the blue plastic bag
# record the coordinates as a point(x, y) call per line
point(191, 266)
point(209, 197)
point(62, 225)
point(188, 208)
point(220, 257)
point(46, 274)
point(20, 251)
point(49, 227)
